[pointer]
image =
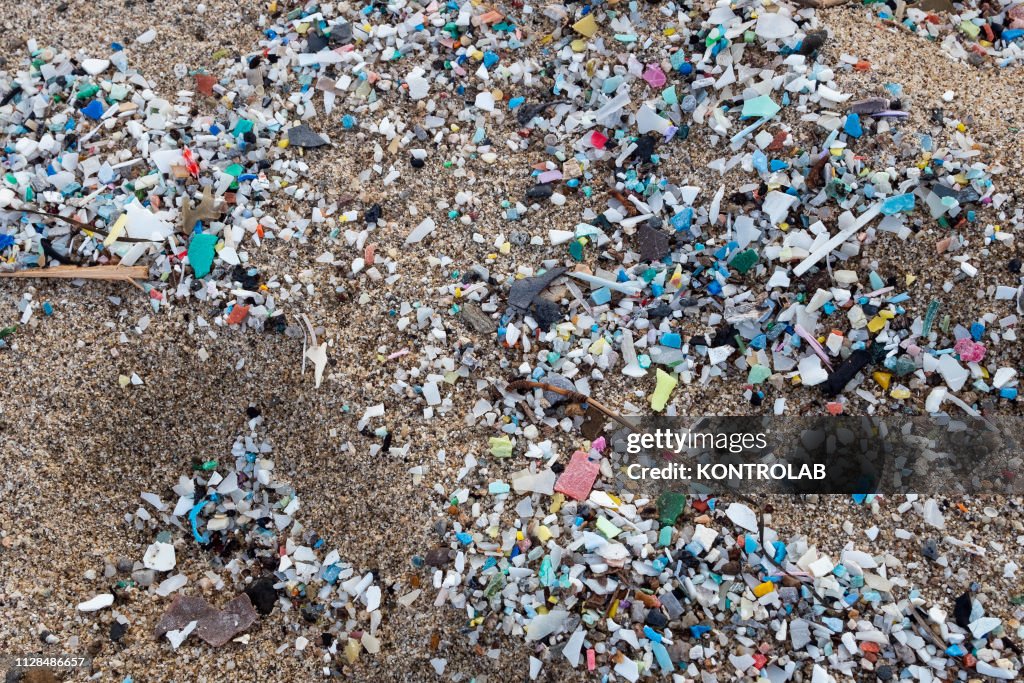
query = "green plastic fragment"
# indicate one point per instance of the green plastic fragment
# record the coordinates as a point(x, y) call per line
point(118, 92)
point(88, 91)
point(200, 253)
point(758, 374)
point(8, 331)
point(970, 28)
point(208, 465)
point(495, 585)
point(500, 446)
point(670, 506)
point(607, 528)
point(744, 261)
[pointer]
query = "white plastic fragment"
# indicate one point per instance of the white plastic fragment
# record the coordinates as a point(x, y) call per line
point(425, 227)
point(96, 603)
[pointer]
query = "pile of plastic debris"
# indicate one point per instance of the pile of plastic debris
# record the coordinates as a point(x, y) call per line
point(630, 587)
point(973, 32)
point(243, 517)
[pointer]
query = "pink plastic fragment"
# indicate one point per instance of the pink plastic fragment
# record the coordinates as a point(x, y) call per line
point(815, 346)
point(654, 76)
point(591, 659)
point(578, 478)
point(969, 351)
point(598, 139)
point(599, 444)
point(549, 176)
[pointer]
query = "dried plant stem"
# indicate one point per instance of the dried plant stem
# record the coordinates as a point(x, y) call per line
point(821, 4)
point(574, 396)
point(110, 273)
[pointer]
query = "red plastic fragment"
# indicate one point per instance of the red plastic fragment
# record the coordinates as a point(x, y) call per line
point(578, 478)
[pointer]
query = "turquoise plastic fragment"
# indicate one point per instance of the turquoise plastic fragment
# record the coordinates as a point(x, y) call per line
point(200, 253)
point(661, 655)
point(901, 202)
point(929, 317)
point(760, 107)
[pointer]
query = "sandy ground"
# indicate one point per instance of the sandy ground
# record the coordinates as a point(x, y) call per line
point(77, 449)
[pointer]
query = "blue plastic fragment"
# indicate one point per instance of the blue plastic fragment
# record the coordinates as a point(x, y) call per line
point(94, 110)
point(852, 126)
point(698, 630)
point(193, 519)
point(898, 203)
point(672, 339)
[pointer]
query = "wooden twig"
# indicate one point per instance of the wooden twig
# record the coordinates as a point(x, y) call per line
point(574, 396)
point(127, 274)
point(821, 4)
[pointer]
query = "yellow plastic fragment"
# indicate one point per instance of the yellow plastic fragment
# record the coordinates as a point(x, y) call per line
point(763, 589)
point(900, 393)
point(543, 534)
point(882, 378)
point(876, 324)
point(352, 651)
point(116, 229)
point(586, 26)
point(666, 383)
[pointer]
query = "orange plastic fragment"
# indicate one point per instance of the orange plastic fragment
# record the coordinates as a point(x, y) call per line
point(238, 314)
point(205, 83)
